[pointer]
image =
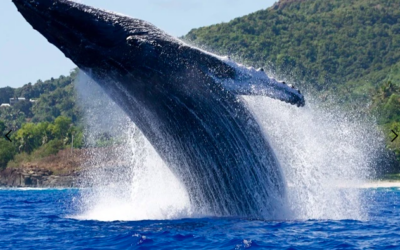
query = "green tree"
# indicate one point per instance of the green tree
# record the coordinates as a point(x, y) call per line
point(7, 152)
point(24, 107)
point(61, 127)
point(28, 137)
point(2, 126)
point(5, 94)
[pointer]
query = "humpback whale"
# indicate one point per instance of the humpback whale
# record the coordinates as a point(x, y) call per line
point(187, 102)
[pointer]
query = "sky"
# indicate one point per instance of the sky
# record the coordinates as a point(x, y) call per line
point(26, 56)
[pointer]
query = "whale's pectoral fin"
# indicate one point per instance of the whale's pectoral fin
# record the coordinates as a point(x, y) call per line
point(266, 87)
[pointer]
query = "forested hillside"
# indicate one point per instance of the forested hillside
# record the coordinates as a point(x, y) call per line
point(47, 121)
point(53, 98)
point(346, 48)
point(332, 43)
point(44, 123)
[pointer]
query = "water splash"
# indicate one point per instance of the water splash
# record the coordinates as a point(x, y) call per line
point(126, 180)
point(324, 154)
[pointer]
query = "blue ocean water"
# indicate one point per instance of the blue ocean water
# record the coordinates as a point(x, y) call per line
point(40, 219)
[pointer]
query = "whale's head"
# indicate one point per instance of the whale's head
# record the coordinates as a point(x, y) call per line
point(110, 42)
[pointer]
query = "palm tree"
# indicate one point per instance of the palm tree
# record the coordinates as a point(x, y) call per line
point(383, 92)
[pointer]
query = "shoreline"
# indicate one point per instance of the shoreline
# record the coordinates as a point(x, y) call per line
point(35, 177)
point(367, 185)
point(381, 184)
point(37, 188)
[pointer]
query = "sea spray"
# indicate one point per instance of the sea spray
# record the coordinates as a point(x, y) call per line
point(325, 154)
point(125, 180)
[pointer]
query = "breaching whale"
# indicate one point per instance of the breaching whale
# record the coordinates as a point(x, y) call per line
point(187, 102)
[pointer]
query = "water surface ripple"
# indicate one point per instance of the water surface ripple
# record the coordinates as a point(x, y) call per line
point(41, 219)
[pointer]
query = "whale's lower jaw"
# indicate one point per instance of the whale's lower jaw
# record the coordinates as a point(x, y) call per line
point(185, 101)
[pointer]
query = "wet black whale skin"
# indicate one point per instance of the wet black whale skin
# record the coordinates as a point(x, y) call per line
point(174, 94)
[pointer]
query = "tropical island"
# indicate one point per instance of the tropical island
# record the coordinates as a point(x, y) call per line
point(346, 50)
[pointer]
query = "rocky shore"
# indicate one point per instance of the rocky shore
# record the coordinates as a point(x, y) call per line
point(35, 177)
point(60, 170)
